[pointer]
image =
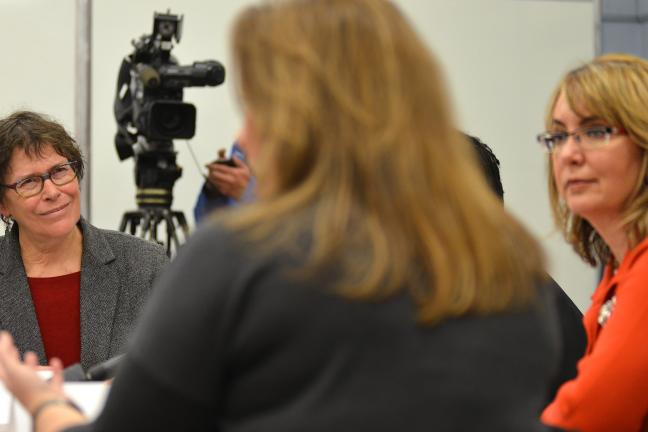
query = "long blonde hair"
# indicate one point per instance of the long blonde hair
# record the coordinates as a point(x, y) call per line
point(359, 151)
point(613, 87)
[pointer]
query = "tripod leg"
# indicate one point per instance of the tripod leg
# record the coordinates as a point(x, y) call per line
point(129, 222)
point(133, 226)
point(124, 223)
point(157, 218)
point(182, 221)
point(134, 219)
point(146, 224)
point(172, 237)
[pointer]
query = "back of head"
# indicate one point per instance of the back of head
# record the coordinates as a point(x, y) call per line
point(325, 78)
point(360, 149)
point(613, 88)
point(489, 165)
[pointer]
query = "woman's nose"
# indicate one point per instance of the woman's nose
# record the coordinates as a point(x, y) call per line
point(50, 190)
point(571, 149)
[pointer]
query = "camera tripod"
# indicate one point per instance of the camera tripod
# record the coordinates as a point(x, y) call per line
point(146, 220)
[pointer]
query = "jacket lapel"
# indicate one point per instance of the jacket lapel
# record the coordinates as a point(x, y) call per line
point(17, 313)
point(99, 296)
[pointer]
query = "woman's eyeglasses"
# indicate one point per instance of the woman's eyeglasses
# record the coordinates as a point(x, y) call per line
point(587, 137)
point(59, 175)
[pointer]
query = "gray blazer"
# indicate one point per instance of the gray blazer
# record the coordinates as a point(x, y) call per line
point(117, 273)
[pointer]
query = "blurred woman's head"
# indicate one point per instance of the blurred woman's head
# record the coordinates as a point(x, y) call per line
point(320, 80)
point(602, 178)
point(351, 128)
point(32, 146)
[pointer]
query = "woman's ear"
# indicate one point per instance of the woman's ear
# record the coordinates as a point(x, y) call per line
point(4, 211)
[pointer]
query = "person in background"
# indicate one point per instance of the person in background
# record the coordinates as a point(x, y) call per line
point(570, 318)
point(225, 185)
point(597, 140)
point(338, 300)
point(67, 289)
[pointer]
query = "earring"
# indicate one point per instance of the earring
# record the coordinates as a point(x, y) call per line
point(8, 221)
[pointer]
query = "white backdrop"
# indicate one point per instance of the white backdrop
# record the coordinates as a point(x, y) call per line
point(502, 59)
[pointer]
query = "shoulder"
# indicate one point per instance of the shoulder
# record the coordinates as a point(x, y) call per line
point(127, 242)
point(217, 256)
point(4, 246)
point(108, 245)
point(4, 254)
point(214, 241)
point(210, 268)
point(634, 267)
point(9, 241)
point(638, 257)
point(10, 258)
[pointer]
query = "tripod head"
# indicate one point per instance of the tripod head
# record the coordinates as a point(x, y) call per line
point(155, 174)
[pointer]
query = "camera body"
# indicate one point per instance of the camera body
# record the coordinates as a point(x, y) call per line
point(150, 87)
point(149, 107)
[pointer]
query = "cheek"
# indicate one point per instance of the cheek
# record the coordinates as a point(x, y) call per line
point(73, 188)
point(623, 169)
point(74, 193)
point(629, 176)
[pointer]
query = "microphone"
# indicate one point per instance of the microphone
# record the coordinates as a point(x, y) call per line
point(99, 372)
point(104, 370)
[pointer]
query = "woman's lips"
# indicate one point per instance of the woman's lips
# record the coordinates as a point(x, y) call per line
point(577, 184)
point(54, 210)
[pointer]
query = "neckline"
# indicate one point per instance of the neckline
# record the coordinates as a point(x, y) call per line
point(63, 276)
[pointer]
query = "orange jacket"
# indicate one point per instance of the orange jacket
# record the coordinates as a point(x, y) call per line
point(610, 392)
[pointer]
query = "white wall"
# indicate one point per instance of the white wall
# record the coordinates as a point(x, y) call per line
point(502, 59)
point(37, 60)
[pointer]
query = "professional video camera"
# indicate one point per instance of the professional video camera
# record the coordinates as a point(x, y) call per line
point(150, 112)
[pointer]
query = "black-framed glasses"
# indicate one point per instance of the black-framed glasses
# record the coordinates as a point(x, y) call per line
point(587, 137)
point(59, 175)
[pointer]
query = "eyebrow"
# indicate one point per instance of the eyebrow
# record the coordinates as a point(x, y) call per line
point(26, 176)
point(582, 122)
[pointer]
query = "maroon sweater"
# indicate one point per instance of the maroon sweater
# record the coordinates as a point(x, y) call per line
point(57, 303)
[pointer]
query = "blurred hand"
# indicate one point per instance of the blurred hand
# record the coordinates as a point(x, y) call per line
point(230, 181)
point(21, 378)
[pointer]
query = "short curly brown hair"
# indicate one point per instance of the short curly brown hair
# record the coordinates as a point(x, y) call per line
point(32, 133)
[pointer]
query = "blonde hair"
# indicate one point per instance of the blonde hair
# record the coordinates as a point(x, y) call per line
point(613, 87)
point(359, 152)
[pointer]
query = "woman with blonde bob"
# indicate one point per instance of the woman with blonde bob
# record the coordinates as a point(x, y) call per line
point(597, 138)
point(376, 284)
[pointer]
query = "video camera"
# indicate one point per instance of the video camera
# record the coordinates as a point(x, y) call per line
point(149, 108)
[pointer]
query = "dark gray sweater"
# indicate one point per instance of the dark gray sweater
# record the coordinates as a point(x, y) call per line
point(229, 342)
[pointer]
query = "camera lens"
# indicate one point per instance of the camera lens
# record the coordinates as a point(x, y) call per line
point(171, 119)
